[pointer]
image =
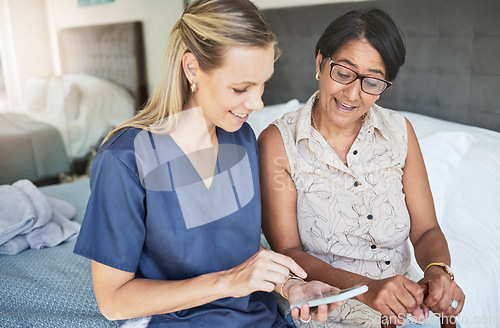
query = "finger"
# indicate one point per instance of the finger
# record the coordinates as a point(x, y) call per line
point(460, 298)
point(407, 300)
point(273, 277)
point(392, 316)
point(287, 262)
point(444, 304)
point(265, 259)
point(321, 313)
point(419, 313)
point(333, 306)
point(315, 287)
point(295, 313)
point(436, 292)
point(425, 309)
point(461, 303)
point(261, 285)
point(397, 307)
point(325, 288)
point(262, 270)
point(416, 293)
point(304, 312)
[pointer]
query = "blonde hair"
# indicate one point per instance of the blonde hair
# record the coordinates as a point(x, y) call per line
point(207, 29)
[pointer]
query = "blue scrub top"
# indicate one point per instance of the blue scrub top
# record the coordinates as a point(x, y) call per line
point(150, 213)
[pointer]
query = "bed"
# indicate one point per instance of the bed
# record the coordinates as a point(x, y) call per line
point(51, 287)
point(446, 89)
point(65, 117)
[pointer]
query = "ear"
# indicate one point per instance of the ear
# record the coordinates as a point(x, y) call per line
point(190, 66)
point(319, 59)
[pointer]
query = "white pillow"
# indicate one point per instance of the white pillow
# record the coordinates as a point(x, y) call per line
point(63, 99)
point(35, 94)
point(102, 101)
point(443, 152)
point(472, 207)
point(261, 119)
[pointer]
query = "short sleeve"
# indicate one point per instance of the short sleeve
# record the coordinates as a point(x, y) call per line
point(113, 229)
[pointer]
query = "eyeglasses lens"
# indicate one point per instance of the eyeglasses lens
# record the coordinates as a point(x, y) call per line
point(369, 85)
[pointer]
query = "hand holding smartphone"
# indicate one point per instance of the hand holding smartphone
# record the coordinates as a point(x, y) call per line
point(336, 296)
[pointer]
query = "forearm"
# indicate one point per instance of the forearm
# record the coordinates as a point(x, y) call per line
point(431, 247)
point(144, 297)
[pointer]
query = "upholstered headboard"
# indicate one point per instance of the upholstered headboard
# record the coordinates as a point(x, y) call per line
point(112, 51)
point(452, 68)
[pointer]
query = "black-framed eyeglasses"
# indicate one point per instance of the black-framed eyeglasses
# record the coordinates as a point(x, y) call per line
point(344, 75)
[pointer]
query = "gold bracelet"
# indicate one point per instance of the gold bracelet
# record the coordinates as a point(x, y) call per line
point(445, 267)
point(290, 276)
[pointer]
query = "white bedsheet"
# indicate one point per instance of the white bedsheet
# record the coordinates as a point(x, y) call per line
point(463, 165)
point(83, 108)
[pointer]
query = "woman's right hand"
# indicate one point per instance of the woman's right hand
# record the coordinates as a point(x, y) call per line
point(394, 297)
point(262, 272)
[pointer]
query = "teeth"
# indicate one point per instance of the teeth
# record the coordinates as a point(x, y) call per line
point(240, 115)
point(345, 105)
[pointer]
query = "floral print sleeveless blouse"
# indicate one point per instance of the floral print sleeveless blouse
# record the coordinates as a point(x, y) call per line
point(353, 217)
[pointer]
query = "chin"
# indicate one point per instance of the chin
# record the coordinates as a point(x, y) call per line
point(232, 128)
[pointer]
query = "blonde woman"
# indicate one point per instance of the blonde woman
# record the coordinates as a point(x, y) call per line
point(173, 222)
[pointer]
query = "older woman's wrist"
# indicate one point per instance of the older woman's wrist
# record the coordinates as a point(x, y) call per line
point(289, 282)
point(439, 268)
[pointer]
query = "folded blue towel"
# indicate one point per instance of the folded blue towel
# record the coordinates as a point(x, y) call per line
point(15, 245)
point(29, 219)
point(17, 214)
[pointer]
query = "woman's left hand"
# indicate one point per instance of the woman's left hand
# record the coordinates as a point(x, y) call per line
point(300, 290)
point(442, 292)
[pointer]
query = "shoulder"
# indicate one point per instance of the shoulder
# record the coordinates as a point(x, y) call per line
point(119, 150)
point(294, 125)
point(288, 121)
point(389, 121)
point(388, 114)
point(272, 149)
point(120, 140)
point(270, 136)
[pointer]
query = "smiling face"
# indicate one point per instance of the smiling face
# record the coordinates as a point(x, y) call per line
point(228, 94)
point(345, 104)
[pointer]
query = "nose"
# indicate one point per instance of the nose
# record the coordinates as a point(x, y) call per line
point(353, 90)
point(254, 102)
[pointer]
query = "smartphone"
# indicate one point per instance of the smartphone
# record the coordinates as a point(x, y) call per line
point(332, 297)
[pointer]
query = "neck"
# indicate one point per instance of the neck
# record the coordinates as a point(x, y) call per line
point(193, 132)
point(344, 136)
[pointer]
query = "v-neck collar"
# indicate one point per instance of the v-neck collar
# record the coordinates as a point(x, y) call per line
point(168, 152)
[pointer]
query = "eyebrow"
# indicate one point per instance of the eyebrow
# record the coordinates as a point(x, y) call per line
point(253, 83)
point(376, 71)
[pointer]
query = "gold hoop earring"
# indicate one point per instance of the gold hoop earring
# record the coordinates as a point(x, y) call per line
point(317, 76)
point(193, 87)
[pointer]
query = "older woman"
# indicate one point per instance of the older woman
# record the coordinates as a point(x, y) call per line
point(344, 184)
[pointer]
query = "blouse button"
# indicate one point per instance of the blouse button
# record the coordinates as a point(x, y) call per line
point(369, 217)
point(373, 246)
point(355, 152)
point(356, 183)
